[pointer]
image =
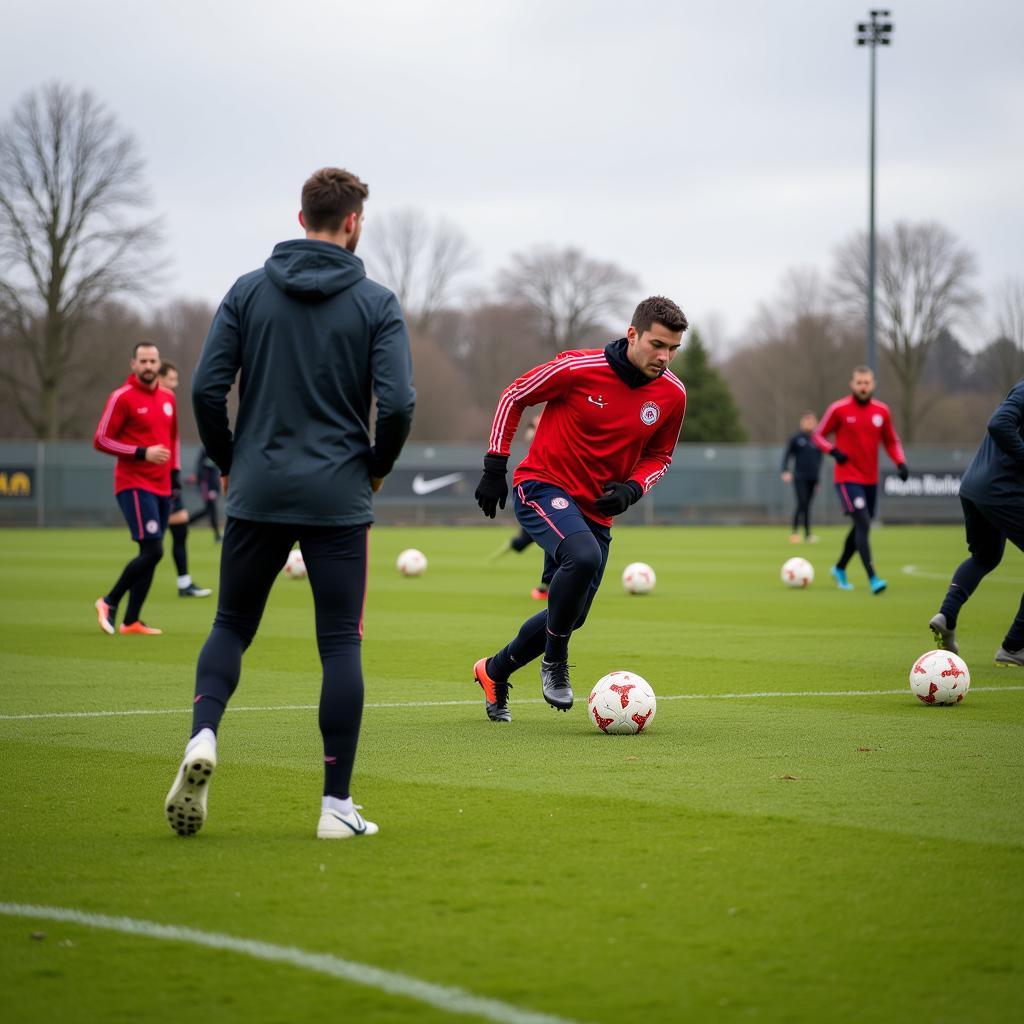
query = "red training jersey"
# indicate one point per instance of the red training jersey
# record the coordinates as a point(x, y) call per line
point(859, 429)
point(134, 417)
point(595, 428)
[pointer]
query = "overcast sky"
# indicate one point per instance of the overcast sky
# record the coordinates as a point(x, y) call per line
point(706, 147)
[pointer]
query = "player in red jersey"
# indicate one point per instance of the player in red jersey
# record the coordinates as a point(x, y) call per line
point(860, 424)
point(606, 437)
point(139, 426)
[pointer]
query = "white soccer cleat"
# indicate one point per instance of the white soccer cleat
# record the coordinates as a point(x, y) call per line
point(335, 825)
point(186, 802)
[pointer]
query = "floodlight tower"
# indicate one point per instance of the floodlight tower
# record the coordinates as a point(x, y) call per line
point(874, 33)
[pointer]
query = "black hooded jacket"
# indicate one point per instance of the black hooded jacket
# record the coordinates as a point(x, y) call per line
point(312, 341)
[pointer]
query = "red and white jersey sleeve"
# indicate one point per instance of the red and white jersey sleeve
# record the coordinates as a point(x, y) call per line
point(595, 428)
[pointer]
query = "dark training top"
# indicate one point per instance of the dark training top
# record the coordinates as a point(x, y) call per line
point(313, 341)
point(995, 475)
point(805, 455)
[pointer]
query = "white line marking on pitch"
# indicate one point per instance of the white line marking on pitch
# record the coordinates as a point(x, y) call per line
point(473, 703)
point(443, 997)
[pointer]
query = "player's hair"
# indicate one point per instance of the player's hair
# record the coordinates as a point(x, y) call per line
point(166, 366)
point(142, 344)
point(862, 369)
point(658, 310)
point(329, 196)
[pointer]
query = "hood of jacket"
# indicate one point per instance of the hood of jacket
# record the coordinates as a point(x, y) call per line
point(312, 271)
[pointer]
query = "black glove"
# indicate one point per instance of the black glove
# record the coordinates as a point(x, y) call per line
point(839, 456)
point(901, 468)
point(492, 491)
point(618, 497)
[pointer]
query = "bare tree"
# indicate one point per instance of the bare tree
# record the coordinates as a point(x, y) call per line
point(924, 277)
point(419, 261)
point(569, 294)
point(1006, 359)
point(70, 181)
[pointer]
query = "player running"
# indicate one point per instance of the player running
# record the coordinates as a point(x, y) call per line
point(806, 459)
point(992, 496)
point(315, 342)
point(178, 520)
point(606, 437)
point(139, 426)
point(860, 424)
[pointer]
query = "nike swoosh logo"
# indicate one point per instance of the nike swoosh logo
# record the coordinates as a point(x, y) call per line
point(421, 485)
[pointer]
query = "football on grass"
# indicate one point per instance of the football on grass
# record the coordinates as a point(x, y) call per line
point(411, 562)
point(295, 566)
point(798, 572)
point(939, 677)
point(638, 578)
point(621, 703)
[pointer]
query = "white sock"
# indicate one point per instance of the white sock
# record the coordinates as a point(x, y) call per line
point(204, 734)
point(339, 806)
point(184, 581)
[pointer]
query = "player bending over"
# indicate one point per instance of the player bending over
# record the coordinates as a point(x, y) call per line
point(992, 496)
point(606, 437)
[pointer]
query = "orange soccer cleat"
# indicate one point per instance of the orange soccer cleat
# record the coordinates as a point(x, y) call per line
point(141, 628)
point(105, 615)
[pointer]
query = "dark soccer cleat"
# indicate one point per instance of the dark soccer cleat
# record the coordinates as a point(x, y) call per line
point(193, 591)
point(945, 638)
point(1005, 658)
point(495, 694)
point(554, 683)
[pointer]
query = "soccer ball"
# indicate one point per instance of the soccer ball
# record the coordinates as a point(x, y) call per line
point(411, 562)
point(295, 566)
point(638, 578)
point(939, 677)
point(798, 572)
point(621, 703)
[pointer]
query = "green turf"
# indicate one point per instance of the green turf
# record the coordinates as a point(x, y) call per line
point(787, 858)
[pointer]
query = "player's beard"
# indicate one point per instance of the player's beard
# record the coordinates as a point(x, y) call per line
point(147, 377)
point(353, 239)
point(862, 401)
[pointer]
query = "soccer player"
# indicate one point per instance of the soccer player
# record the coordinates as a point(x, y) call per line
point(177, 521)
point(806, 459)
point(522, 540)
point(860, 424)
point(315, 342)
point(992, 496)
point(139, 426)
point(606, 437)
point(208, 482)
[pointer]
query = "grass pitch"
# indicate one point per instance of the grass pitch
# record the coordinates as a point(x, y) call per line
point(834, 855)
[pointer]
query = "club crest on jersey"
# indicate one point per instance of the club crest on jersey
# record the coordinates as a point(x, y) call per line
point(559, 503)
point(168, 409)
point(152, 526)
point(877, 419)
point(649, 413)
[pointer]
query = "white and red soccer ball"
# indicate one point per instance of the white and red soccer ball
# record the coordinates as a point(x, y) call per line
point(621, 703)
point(295, 566)
point(411, 562)
point(939, 677)
point(638, 578)
point(797, 572)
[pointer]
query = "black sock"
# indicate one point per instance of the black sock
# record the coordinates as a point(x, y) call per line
point(217, 673)
point(849, 547)
point(341, 711)
point(527, 645)
point(179, 531)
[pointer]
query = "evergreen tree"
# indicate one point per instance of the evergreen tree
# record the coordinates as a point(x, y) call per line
point(711, 412)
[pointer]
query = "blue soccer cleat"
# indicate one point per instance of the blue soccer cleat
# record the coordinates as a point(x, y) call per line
point(839, 575)
point(877, 585)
